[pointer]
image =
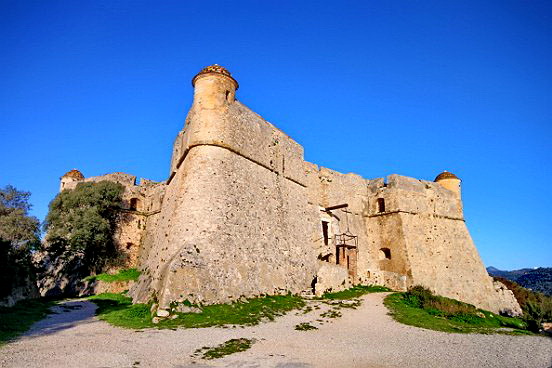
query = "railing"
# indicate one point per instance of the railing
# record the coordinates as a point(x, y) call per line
point(346, 240)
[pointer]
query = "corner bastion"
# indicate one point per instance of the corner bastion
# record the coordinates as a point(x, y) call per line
point(242, 214)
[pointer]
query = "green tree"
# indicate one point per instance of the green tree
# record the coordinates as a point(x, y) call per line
point(16, 226)
point(81, 222)
point(19, 234)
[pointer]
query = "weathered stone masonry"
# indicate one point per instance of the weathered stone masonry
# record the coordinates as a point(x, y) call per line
point(242, 214)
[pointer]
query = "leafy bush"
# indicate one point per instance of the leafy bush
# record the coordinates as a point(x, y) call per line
point(420, 297)
point(81, 222)
point(19, 234)
point(534, 313)
point(15, 268)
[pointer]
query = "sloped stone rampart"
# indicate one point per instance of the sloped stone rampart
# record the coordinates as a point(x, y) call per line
point(242, 214)
point(234, 220)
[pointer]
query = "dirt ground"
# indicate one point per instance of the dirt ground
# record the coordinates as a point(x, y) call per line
point(363, 337)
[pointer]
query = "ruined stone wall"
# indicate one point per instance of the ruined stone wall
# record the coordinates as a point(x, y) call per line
point(139, 203)
point(233, 221)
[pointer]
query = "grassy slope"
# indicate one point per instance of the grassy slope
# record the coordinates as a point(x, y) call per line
point(405, 313)
point(17, 319)
point(130, 274)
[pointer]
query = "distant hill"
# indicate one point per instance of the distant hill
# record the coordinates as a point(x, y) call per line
point(536, 279)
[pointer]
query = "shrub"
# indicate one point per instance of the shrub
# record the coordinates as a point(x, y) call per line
point(81, 222)
point(19, 234)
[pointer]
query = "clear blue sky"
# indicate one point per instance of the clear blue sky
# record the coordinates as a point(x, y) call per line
point(371, 87)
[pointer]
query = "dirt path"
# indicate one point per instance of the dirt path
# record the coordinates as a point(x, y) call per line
point(365, 337)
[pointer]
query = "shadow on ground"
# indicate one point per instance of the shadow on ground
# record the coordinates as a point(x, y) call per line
point(65, 315)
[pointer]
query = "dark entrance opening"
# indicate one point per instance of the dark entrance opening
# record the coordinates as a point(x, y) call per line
point(346, 252)
point(385, 253)
point(325, 232)
point(381, 205)
point(133, 204)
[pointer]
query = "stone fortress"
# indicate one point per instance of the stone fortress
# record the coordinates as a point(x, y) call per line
point(242, 214)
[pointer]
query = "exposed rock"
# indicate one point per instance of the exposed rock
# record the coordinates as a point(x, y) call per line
point(186, 309)
point(507, 301)
point(163, 313)
point(61, 276)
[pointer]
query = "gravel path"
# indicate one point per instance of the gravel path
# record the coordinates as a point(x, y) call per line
point(365, 337)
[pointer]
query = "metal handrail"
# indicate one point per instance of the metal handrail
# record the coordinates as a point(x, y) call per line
point(346, 240)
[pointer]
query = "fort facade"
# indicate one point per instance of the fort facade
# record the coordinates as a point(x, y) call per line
point(243, 214)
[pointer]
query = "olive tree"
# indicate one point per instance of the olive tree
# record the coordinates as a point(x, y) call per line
point(81, 222)
point(19, 234)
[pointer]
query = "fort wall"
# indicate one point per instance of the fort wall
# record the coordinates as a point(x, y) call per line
point(409, 232)
point(233, 222)
point(242, 214)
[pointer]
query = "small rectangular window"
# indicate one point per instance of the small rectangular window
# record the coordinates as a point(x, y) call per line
point(381, 205)
point(325, 232)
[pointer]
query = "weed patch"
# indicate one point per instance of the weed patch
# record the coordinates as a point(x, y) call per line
point(332, 313)
point(305, 326)
point(226, 348)
point(355, 292)
point(338, 304)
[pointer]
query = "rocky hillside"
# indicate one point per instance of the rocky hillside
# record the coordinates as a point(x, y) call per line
point(536, 279)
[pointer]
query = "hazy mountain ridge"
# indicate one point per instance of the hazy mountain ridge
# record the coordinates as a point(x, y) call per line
point(536, 279)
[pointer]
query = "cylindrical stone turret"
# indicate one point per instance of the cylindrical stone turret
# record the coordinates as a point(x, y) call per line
point(70, 179)
point(214, 87)
point(449, 181)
